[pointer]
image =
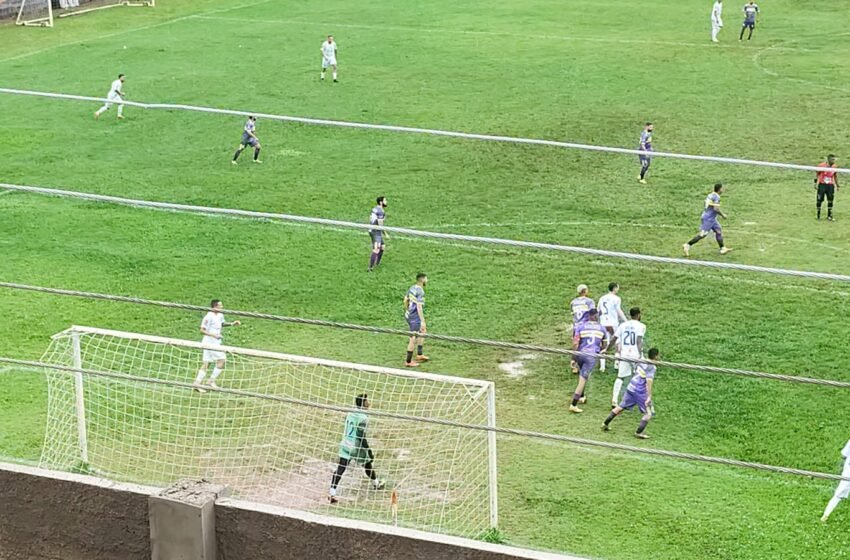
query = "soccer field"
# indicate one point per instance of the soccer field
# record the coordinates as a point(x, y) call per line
point(579, 71)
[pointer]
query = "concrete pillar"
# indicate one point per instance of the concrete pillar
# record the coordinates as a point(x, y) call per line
point(182, 521)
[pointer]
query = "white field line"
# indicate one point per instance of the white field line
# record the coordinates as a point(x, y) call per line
point(440, 30)
point(638, 225)
point(757, 61)
point(500, 251)
point(131, 30)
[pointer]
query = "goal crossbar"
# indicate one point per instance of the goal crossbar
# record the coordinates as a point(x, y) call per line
point(118, 4)
point(237, 350)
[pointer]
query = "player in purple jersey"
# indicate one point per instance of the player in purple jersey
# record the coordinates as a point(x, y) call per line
point(638, 394)
point(709, 222)
point(376, 218)
point(249, 138)
point(590, 337)
point(578, 309)
point(414, 313)
point(751, 15)
point(645, 146)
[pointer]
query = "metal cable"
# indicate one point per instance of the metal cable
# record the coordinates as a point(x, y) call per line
point(432, 336)
point(416, 130)
point(34, 366)
point(420, 233)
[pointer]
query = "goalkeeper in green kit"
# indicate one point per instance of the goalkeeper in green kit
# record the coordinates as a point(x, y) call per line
point(355, 447)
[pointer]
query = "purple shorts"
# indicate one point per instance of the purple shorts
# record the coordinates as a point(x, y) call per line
point(710, 224)
point(248, 140)
point(586, 364)
point(632, 399)
point(413, 323)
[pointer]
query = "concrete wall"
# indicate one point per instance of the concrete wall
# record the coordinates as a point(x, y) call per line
point(255, 531)
point(45, 515)
point(48, 515)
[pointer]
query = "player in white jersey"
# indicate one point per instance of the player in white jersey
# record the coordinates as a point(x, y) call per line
point(329, 57)
point(843, 490)
point(716, 19)
point(115, 95)
point(629, 340)
point(211, 328)
point(610, 314)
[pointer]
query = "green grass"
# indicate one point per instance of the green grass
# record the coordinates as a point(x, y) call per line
point(579, 71)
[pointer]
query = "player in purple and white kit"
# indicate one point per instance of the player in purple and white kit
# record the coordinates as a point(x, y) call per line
point(249, 138)
point(638, 394)
point(645, 146)
point(709, 222)
point(376, 218)
point(578, 308)
point(590, 337)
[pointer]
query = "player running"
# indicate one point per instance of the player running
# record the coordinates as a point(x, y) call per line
point(414, 312)
point(629, 341)
point(751, 13)
point(843, 490)
point(826, 184)
point(211, 327)
point(355, 447)
point(249, 138)
point(638, 394)
point(376, 218)
point(716, 20)
point(591, 337)
point(645, 146)
point(579, 306)
point(610, 314)
point(329, 57)
point(115, 95)
point(709, 222)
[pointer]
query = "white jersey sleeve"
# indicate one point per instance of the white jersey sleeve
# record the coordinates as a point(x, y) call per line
point(116, 87)
point(846, 451)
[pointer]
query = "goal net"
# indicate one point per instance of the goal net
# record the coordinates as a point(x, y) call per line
point(28, 12)
point(266, 447)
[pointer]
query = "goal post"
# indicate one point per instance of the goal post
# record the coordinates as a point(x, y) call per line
point(32, 12)
point(276, 439)
point(78, 7)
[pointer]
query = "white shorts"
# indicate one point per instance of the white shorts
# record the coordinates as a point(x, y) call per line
point(328, 62)
point(625, 369)
point(843, 490)
point(113, 98)
point(213, 355)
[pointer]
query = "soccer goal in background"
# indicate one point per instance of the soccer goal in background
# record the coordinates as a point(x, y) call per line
point(41, 12)
point(29, 12)
point(78, 7)
point(277, 442)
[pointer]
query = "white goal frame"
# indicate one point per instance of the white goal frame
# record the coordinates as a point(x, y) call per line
point(38, 22)
point(484, 387)
point(117, 4)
